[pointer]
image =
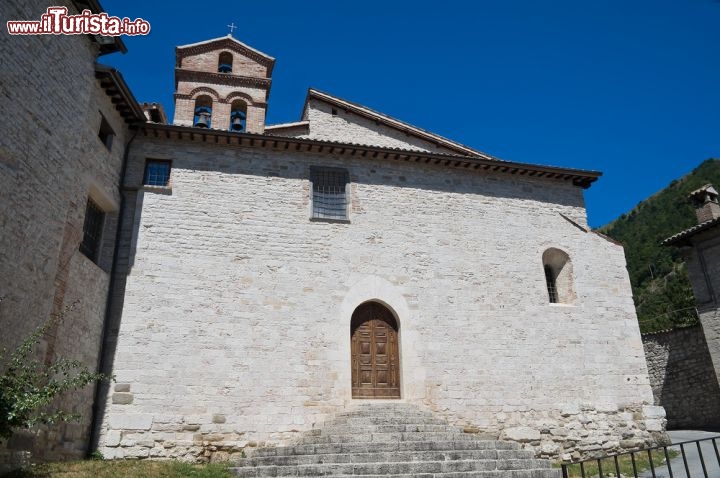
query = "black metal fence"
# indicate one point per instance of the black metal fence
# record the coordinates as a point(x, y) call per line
point(689, 459)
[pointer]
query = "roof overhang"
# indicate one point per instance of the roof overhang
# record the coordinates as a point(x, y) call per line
point(301, 127)
point(112, 82)
point(576, 177)
point(683, 238)
point(107, 44)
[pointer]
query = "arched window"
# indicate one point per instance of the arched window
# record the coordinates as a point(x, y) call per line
point(238, 115)
point(225, 61)
point(203, 111)
point(558, 276)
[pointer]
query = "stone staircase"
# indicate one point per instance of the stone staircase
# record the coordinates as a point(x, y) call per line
point(394, 439)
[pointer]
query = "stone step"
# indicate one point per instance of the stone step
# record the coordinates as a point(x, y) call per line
point(381, 428)
point(377, 447)
point(382, 411)
point(384, 457)
point(400, 440)
point(393, 468)
point(374, 420)
point(390, 437)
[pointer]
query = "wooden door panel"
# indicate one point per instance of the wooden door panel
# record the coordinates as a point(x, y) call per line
point(375, 360)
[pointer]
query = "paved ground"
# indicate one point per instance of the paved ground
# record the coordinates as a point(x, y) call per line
point(677, 466)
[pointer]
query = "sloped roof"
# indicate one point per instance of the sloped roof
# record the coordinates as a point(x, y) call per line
point(391, 122)
point(682, 238)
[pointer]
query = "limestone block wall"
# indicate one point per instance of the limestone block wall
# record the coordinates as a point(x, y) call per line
point(347, 127)
point(51, 160)
point(235, 328)
point(683, 378)
point(703, 264)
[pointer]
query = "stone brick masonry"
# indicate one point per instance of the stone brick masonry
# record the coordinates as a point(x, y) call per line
point(230, 319)
point(51, 161)
point(235, 329)
point(683, 377)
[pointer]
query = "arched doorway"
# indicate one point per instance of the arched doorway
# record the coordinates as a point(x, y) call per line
point(375, 353)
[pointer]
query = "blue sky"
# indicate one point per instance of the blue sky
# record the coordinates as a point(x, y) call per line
point(630, 88)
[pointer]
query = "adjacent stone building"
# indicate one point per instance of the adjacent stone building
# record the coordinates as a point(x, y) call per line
point(62, 148)
point(250, 280)
point(700, 246)
point(683, 378)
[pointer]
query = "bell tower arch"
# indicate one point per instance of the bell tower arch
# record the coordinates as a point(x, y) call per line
point(238, 75)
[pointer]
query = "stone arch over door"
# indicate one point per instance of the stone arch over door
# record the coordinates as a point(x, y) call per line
point(362, 288)
point(375, 352)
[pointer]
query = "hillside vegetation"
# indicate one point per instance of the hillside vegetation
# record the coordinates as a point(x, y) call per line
point(663, 297)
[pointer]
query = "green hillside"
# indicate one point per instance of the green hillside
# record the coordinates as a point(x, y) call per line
point(663, 297)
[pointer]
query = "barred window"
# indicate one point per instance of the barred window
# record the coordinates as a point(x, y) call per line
point(551, 285)
point(329, 193)
point(92, 230)
point(157, 173)
point(558, 276)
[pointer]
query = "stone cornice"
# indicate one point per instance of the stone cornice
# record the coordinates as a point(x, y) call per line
point(260, 104)
point(576, 177)
point(209, 78)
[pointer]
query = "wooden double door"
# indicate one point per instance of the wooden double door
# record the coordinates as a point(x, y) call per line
point(375, 358)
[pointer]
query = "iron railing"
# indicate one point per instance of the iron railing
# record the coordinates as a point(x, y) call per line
point(678, 460)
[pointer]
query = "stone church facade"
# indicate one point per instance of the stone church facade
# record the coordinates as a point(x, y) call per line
point(263, 278)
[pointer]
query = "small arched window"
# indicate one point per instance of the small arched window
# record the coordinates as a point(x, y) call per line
point(558, 276)
point(238, 116)
point(225, 61)
point(203, 111)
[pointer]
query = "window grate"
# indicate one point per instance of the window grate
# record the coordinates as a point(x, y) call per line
point(92, 230)
point(329, 193)
point(551, 285)
point(157, 173)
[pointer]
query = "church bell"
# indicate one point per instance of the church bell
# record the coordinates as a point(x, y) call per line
point(203, 120)
point(237, 124)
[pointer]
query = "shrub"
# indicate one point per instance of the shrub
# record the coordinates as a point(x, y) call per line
point(28, 386)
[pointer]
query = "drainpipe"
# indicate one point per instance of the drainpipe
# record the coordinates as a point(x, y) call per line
point(94, 435)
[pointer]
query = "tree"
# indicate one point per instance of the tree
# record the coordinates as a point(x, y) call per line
point(28, 387)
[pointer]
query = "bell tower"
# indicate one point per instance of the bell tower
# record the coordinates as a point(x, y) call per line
point(222, 84)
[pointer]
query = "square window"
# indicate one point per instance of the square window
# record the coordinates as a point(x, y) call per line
point(329, 187)
point(157, 173)
point(92, 230)
point(106, 133)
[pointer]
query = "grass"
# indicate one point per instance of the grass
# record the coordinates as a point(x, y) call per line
point(123, 468)
point(624, 462)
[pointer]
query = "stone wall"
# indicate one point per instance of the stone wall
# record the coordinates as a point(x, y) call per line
point(682, 377)
point(331, 123)
point(51, 161)
point(235, 329)
point(703, 265)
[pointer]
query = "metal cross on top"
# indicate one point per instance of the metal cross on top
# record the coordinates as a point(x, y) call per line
point(232, 27)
